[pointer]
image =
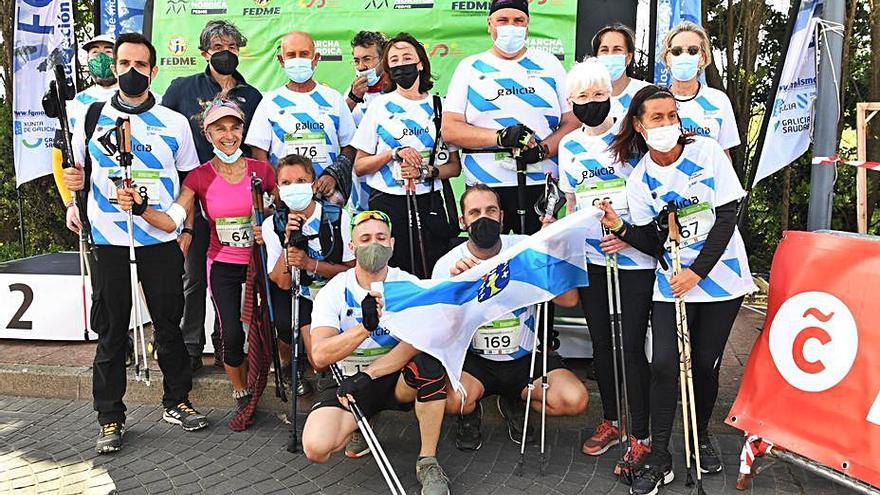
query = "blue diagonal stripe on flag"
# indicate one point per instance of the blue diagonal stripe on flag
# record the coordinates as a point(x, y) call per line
point(536, 269)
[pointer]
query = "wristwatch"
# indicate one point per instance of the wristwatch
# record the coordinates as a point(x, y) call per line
point(186, 230)
point(354, 98)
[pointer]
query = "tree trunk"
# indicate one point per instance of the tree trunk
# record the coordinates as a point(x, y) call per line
point(786, 199)
point(873, 131)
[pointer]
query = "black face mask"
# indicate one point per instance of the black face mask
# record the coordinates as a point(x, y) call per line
point(485, 232)
point(404, 75)
point(133, 83)
point(593, 113)
point(224, 62)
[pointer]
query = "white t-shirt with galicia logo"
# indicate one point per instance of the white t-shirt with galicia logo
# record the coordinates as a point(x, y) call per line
point(701, 180)
point(620, 103)
point(360, 109)
point(79, 105)
point(338, 305)
point(312, 226)
point(162, 146)
point(494, 93)
point(314, 124)
point(709, 114)
point(396, 121)
point(507, 338)
point(588, 169)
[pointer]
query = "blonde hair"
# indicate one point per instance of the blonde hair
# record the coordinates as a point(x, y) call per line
point(687, 26)
point(587, 74)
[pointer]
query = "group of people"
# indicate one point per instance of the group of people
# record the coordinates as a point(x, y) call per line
point(358, 180)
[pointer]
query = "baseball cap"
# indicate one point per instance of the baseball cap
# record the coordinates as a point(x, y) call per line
point(219, 109)
point(101, 38)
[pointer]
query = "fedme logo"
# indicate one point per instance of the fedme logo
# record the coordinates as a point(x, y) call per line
point(177, 47)
point(470, 6)
point(261, 9)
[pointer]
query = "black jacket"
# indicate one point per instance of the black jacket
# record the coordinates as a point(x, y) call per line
point(186, 94)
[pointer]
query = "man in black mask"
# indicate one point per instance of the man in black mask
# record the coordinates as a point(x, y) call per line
point(162, 147)
point(498, 360)
point(219, 42)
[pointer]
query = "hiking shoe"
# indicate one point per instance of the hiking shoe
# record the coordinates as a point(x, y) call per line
point(513, 411)
point(357, 447)
point(634, 458)
point(432, 477)
point(468, 436)
point(110, 439)
point(195, 363)
point(650, 478)
point(606, 436)
point(710, 461)
point(184, 415)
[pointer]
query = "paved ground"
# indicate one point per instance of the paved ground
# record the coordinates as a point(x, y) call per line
point(46, 446)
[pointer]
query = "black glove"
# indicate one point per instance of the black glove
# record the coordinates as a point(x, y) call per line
point(370, 312)
point(662, 221)
point(354, 385)
point(139, 209)
point(515, 136)
point(533, 155)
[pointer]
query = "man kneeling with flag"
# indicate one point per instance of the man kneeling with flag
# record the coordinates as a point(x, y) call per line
point(499, 356)
point(381, 372)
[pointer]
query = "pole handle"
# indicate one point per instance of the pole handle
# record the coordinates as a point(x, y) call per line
point(674, 232)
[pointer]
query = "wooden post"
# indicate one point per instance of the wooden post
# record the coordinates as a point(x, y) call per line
point(862, 120)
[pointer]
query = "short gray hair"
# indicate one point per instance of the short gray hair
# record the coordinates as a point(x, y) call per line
point(222, 29)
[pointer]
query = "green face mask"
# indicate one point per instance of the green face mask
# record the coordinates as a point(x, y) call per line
point(99, 66)
point(373, 257)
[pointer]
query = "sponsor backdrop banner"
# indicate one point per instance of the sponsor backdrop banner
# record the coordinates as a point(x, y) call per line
point(43, 34)
point(819, 355)
point(449, 29)
point(790, 128)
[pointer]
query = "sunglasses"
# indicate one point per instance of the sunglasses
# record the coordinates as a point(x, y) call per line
point(370, 215)
point(216, 103)
point(691, 50)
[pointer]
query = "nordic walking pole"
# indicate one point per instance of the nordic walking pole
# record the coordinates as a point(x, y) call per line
point(409, 219)
point(545, 385)
point(610, 275)
point(530, 388)
point(385, 467)
point(415, 207)
point(688, 407)
point(295, 293)
point(257, 202)
point(520, 189)
point(626, 420)
point(123, 141)
point(82, 279)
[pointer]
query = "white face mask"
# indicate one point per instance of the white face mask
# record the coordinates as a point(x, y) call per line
point(663, 138)
point(510, 39)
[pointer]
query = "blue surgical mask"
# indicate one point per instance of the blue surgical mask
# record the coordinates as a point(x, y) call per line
point(372, 77)
point(616, 65)
point(296, 196)
point(299, 70)
point(685, 66)
point(227, 159)
point(510, 39)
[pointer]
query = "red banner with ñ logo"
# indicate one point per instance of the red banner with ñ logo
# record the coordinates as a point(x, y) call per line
point(812, 383)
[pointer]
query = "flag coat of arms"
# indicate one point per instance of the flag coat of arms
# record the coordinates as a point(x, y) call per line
point(440, 317)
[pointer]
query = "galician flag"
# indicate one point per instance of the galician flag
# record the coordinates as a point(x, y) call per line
point(440, 317)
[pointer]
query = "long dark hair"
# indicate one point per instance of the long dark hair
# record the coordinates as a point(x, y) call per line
point(425, 83)
point(629, 144)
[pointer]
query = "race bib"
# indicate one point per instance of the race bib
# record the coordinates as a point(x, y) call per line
point(500, 337)
point(312, 145)
point(508, 162)
point(696, 222)
point(235, 232)
point(360, 359)
point(146, 182)
point(613, 191)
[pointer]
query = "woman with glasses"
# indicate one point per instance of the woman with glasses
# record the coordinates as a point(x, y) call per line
point(704, 111)
point(222, 186)
point(589, 172)
point(403, 158)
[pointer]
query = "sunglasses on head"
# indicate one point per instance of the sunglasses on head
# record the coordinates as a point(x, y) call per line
point(370, 215)
point(678, 50)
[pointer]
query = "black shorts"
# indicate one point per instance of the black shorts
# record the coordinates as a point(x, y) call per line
point(507, 378)
point(281, 303)
point(378, 397)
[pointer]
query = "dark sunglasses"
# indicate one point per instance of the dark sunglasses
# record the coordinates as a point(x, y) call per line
point(677, 50)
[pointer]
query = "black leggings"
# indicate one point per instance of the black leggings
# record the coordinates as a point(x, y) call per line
point(637, 289)
point(434, 231)
point(709, 324)
point(225, 281)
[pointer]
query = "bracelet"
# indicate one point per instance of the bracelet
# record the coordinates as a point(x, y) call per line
point(619, 226)
point(395, 153)
point(354, 98)
point(186, 230)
